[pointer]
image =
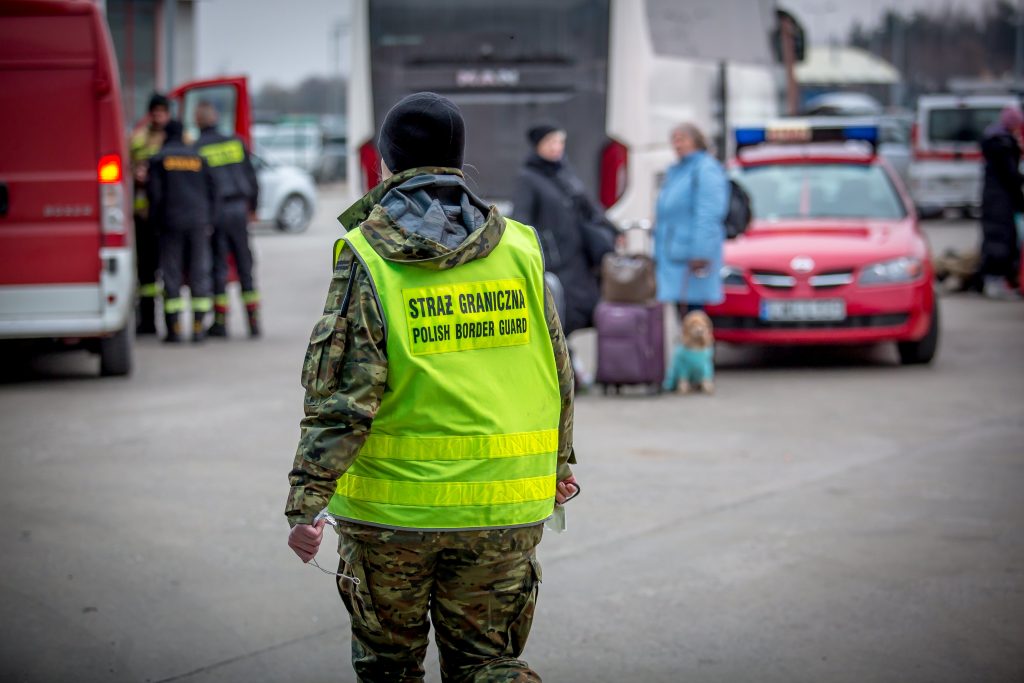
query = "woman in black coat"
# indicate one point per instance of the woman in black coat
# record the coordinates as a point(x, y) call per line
point(573, 232)
point(1001, 200)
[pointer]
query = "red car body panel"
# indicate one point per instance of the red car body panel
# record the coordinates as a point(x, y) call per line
point(874, 313)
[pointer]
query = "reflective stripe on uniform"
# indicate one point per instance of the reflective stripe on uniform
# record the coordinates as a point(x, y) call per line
point(223, 153)
point(447, 494)
point(385, 446)
point(174, 305)
point(222, 300)
point(202, 304)
point(149, 290)
point(251, 297)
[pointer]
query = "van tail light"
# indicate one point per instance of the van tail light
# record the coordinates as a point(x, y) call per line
point(109, 169)
point(113, 225)
point(614, 165)
point(369, 160)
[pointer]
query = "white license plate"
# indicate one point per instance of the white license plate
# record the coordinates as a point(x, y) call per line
point(813, 310)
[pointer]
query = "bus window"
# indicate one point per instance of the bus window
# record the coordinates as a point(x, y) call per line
point(507, 65)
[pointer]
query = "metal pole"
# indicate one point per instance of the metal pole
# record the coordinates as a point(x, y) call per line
point(723, 110)
point(899, 60)
point(788, 36)
point(170, 17)
point(1018, 62)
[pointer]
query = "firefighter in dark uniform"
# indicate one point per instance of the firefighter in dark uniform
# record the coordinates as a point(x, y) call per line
point(145, 142)
point(238, 191)
point(182, 203)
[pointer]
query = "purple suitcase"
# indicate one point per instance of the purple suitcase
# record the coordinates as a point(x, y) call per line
point(630, 345)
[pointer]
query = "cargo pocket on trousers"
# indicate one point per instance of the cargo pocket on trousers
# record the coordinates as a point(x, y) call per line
point(323, 356)
point(519, 629)
point(357, 598)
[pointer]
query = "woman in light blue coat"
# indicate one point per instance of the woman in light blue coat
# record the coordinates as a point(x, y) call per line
point(689, 230)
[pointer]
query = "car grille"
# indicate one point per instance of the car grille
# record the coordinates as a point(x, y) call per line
point(775, 280)
point(736, 322)
point(829, 280)
point(772, 280)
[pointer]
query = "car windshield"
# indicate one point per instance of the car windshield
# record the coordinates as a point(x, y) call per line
point(834, 190)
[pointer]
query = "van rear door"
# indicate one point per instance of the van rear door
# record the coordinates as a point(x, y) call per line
point(50, 224)
point(229, 95)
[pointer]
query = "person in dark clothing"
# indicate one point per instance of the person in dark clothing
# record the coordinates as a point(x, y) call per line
point(144, 143)
point(573, 231)
point(238, 192)
point(1001, 200)
point(182, 203)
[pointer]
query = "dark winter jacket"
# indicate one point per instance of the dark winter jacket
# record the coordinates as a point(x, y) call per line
point(573, 232)
point(182, 194)
point(230, 166)
point(1001, 198)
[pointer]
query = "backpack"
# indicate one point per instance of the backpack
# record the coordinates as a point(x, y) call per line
point(738, 218)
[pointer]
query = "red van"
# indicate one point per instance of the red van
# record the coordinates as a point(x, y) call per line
point(67, 265)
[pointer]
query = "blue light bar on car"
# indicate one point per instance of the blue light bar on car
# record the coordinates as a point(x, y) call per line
point(802, 131)
point(749, 136)
point(866, 133)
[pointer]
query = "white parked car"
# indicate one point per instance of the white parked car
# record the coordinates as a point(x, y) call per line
point(287, 195)
point(291, 143)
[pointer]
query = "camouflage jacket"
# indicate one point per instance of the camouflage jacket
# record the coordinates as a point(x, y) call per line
point(346, 367)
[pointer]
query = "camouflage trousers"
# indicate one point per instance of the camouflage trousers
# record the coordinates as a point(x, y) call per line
point(478, 588)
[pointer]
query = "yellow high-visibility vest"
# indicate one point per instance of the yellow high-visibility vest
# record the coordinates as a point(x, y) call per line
point(466, 436)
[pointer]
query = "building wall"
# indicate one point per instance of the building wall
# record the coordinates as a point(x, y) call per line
point(146, 45)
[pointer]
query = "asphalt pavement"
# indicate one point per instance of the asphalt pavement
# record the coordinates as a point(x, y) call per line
point(827, 515)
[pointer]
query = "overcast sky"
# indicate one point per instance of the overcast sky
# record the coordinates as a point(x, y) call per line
point(279, 41)
point(283, 41)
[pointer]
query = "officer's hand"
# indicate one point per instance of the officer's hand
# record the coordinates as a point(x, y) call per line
point(304, 539)
point(565, 490)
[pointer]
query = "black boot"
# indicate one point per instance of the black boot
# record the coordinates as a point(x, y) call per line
point(254, 323)
point(145, 323)
point(198, 327)
point(173, 328)
point(219, 328)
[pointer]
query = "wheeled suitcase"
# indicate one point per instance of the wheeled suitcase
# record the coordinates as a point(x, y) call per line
point(630, 345)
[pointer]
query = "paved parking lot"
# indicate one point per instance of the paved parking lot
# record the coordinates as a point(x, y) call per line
point(827, 516)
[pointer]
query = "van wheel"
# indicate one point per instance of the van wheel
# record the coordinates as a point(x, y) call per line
point(294, 215)
point(922, 351)
point(116, 354)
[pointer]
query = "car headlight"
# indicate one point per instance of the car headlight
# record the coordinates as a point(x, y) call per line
point(733, 277)
point(903, 269)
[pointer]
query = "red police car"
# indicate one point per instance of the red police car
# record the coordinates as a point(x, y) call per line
point(834, 254)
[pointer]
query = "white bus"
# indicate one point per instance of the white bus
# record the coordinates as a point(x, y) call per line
point(618, 74)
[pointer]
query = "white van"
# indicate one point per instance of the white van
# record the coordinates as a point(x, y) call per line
point(946, 163)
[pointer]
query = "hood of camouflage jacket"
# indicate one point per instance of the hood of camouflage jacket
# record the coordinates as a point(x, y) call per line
point(427, 217)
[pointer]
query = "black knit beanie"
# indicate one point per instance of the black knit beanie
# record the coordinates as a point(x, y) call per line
point(541, 130)
point(422, 129)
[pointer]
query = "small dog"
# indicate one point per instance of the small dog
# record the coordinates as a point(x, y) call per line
point(693, 365)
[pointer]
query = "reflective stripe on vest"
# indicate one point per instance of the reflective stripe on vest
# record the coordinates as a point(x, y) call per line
point(223, 153)
point(466, 436)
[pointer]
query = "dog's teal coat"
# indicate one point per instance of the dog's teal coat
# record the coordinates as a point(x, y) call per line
point(694, 366)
